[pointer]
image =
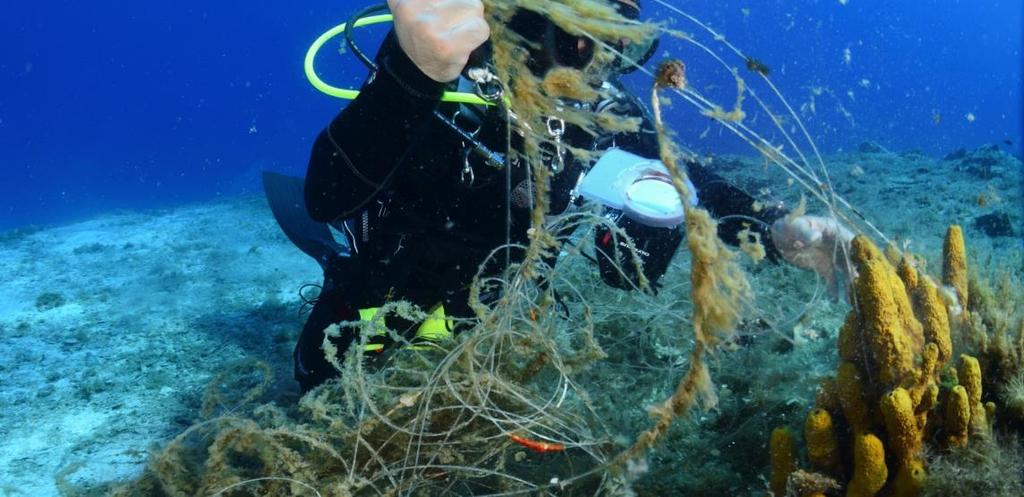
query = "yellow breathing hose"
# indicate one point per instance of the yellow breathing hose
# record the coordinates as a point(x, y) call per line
point(349, 94)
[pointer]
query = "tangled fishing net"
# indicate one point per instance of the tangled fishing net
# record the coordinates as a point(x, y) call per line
point(517, 404)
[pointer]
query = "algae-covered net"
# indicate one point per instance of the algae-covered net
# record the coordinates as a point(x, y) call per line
point(518, 403)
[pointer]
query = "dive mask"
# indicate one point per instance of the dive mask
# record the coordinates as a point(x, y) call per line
point(633, 55)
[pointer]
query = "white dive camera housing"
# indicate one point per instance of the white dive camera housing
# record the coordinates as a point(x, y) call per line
point(640, 188)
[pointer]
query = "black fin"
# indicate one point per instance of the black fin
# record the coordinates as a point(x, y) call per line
point(287, 202)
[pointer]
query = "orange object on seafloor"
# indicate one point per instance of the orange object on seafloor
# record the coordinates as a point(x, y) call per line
point(536, 445)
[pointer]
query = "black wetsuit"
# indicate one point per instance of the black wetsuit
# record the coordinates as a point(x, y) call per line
point(419, 228)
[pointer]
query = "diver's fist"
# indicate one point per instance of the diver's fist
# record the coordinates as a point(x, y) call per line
point(816, 243)
point(439, 35)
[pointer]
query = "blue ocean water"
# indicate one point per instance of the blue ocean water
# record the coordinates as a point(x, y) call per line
point(140, 105)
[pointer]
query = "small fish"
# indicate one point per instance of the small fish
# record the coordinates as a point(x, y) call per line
point(970, 117)
point(1008, 142)
point(936, 118)
point(757, 66)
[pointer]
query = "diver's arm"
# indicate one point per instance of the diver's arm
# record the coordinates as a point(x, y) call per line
point(355, 156)
point(735, 208)
point(725, 201)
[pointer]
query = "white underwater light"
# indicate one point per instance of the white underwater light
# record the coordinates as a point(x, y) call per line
point(652, 200)
point(641, 188)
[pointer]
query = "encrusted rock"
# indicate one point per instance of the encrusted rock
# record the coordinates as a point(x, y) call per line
point(984, 162)
point(870, 148)
point(994, 224)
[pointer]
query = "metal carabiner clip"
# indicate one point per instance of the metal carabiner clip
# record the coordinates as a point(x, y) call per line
point(556, 131)
point(485, 84)
point(491, 92)
point(556, 128)
point(467, 170)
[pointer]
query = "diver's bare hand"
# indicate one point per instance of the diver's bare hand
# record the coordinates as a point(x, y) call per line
point(439, 35)
point(818, 244)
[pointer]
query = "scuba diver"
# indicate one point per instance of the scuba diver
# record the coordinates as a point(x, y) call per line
point(420, 205)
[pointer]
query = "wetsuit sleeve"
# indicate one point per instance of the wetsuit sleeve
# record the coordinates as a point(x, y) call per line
point(720, 197)
point(355, 157)
point(734, 207)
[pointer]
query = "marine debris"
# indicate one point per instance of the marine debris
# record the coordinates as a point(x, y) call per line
point(757, 66)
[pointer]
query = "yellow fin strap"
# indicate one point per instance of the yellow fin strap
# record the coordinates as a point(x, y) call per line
point(437, 326)
point(379, 329)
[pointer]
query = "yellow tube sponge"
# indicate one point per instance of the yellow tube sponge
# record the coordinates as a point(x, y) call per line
point(929, 361)
point(908, 273)
point(909, 479)
point(954, 262)
point(934, 318)
point(882, 317)
point(958, 416)
point(782, 451)
point(822, 442)
point(869, 470)
point(929, 398)
point(895, 287)
point(850, 343)
point(969, 375)
point(912, 328)
point(970, 378)
point(863, 250)
point(904, 438)
point(925, 377)
point(851, 396)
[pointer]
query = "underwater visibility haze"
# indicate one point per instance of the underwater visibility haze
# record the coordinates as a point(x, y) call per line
point(150, 301)
point(123, 106)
